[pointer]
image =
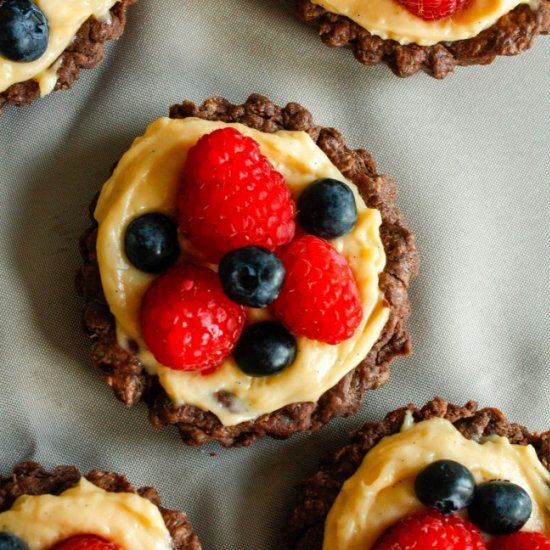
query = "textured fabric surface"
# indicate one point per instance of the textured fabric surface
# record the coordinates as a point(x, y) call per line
point(469, 155)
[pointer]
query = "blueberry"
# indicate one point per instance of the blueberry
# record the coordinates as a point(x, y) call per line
point(151, 242)
point(24, 30)
point(265, 348)
point(327, 209)
point(251, 276)
point(446, 486)
point(500, 507)
point(11, 542)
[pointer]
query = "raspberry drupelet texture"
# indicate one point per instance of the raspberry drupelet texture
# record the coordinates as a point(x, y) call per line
point(187, 321)
point(319, 298)
point(523, 540)
point(231, 196)
point(431, 530)
point(434, 10)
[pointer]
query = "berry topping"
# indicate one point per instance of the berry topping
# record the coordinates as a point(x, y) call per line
point(500, 507)
point(434, 10)
point(85, 542)
point(327, 209)
point(446, 486)
point(319, 298)
point(23, 30)
point(11, 542)
point(233, 197)
point(524, 540)
point(187, 321)
point(151, 242)
point(433, 531)
point(251, 276)
point(265, 348)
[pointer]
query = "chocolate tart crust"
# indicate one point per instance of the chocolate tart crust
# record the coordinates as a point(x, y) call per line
point(512, 34)
point(30, 478)
point(84, 52)
point(130, 381)
point(317, 494)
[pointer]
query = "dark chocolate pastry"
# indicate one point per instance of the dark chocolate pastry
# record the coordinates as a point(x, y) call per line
point(512, 34)
point(84, 52)
point(317, 494)
point(130, 381)
point(30, 478)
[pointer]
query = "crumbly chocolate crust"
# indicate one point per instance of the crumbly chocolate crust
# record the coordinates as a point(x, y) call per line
point(317, 494)
point(84, 52)
point(131, 383)
point(512, 34)
point(30, 478)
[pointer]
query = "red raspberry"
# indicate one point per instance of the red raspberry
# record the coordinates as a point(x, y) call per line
point(232, 197)
point(187, 321)
point(431, 530)
point(319, 298)
point(85, 542)
point(523, 540)
point(433, 10)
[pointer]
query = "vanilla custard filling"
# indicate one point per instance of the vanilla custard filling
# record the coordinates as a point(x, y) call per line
point(147, 179)
point(382, 490)
point(64, 17)
point(390, 20)
point(128, 520)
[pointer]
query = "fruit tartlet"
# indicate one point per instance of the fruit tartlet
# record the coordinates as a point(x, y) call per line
point(430, 35)
point(245, 273)
point(45, 43)
point(64, 510)
point(441, 477)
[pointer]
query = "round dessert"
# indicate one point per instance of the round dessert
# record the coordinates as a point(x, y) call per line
point(64, 510)
point(443, 476)
point(45, 43)
point(266, 320)
point(434, 36)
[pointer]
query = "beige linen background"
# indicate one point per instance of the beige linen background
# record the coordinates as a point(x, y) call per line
point(471, 159)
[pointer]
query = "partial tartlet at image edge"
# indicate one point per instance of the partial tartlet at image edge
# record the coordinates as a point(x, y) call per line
point(68, 51)
point(118, 357)
point(480, 439)
point(62, 508)
point(409, 50)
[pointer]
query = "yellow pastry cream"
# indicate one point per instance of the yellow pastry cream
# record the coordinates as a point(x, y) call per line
point(382, 490)
point(390, 20)
point(64, 17)
point(147, 179)
point(128, 520)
